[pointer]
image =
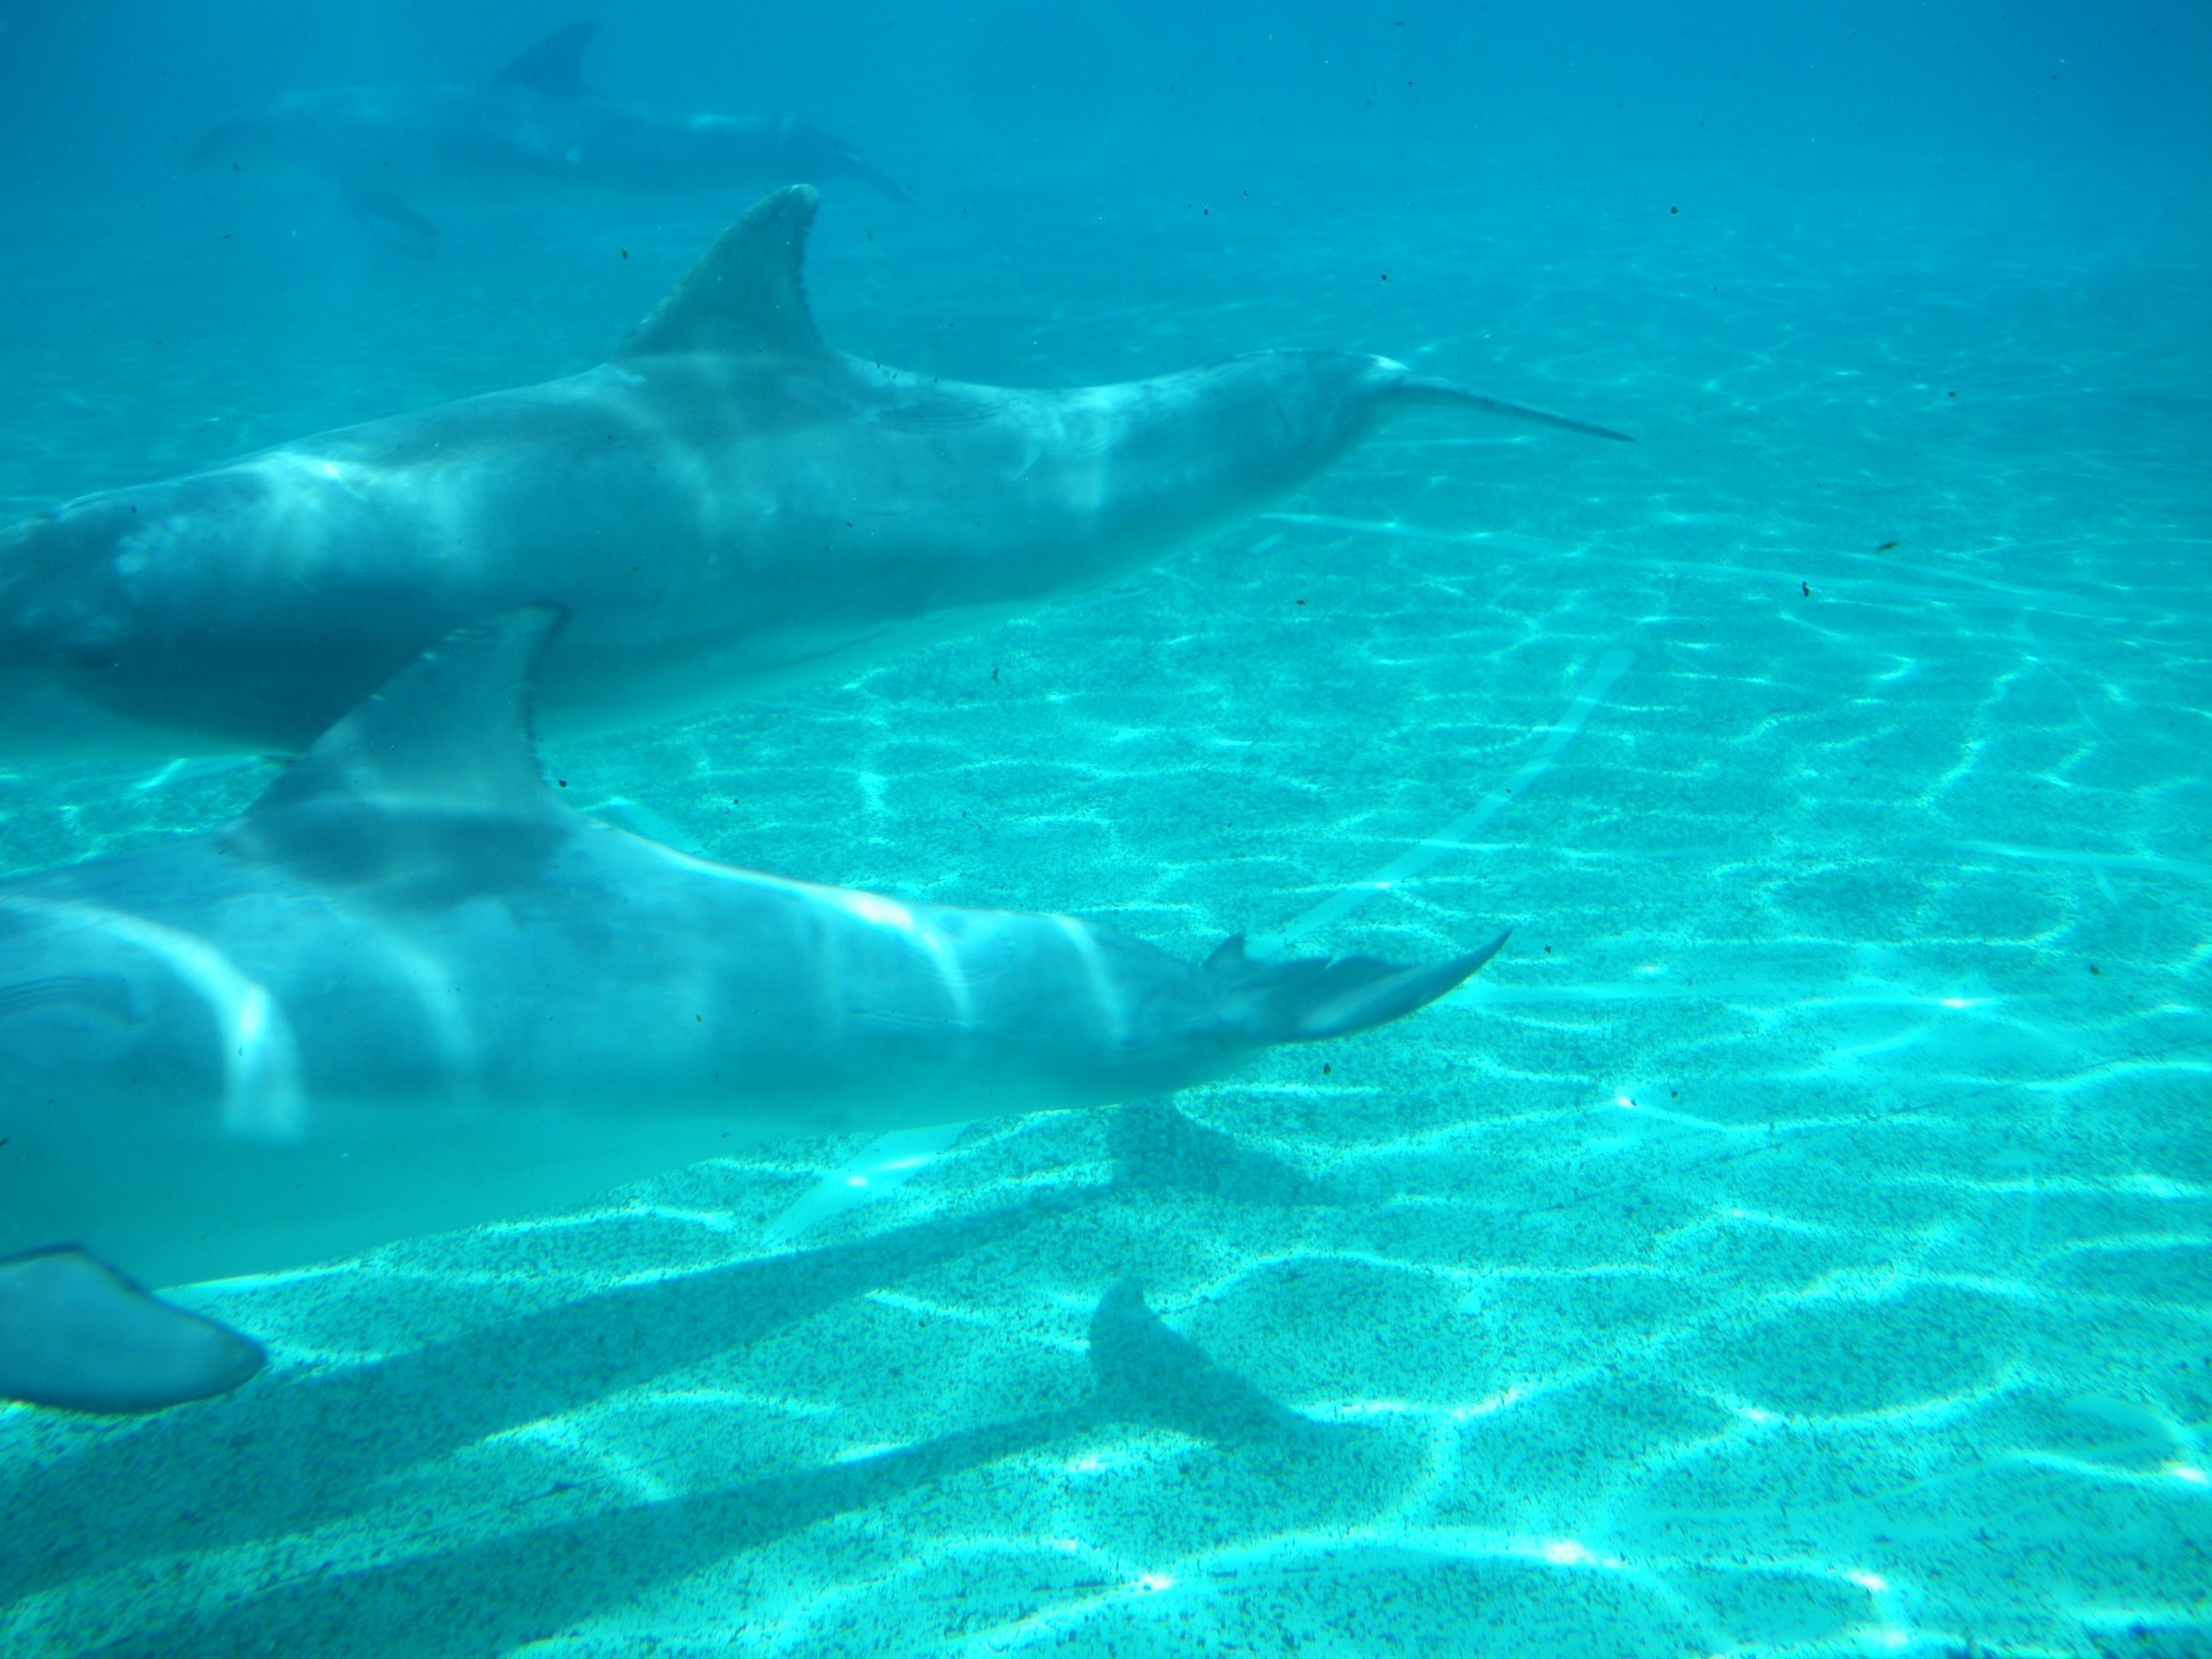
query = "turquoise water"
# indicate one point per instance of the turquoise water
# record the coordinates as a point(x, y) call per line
point(1798, 1242)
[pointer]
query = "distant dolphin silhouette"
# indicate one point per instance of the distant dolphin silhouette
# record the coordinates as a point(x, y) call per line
point(726, 504)
point(535, 131)
point(409, 989)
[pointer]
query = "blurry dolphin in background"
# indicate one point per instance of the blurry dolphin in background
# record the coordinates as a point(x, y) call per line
point(410, 990)
point(727, 504)
point(534, 132)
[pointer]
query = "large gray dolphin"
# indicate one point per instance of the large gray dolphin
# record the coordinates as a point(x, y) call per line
point(408, 990)
point(534, 132)
point(727, 502)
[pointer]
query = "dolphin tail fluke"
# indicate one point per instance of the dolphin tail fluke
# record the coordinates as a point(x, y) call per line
point(1312, 998)
point(1416, 393)
point(1144, 1373)
point(77, 1335)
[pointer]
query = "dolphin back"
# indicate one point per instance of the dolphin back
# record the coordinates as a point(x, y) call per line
point(1312, 998)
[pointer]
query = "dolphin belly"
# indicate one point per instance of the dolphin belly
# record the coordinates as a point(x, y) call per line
point(184, 1209)
point(46, 716)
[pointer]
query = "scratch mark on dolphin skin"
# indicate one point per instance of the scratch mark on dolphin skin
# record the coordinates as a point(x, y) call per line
point(877, 911)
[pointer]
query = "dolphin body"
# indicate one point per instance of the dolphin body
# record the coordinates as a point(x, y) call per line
point(408, 990)
point(535, 131)
point(727, 503)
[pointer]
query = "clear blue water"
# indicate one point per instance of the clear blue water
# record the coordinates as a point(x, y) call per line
point(1799, 1241)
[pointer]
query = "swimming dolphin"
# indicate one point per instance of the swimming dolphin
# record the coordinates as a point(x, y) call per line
point(728, 502)
point(408, 990)
point(534, 132)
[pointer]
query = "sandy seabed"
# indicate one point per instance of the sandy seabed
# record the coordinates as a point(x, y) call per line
point(1795, 1243)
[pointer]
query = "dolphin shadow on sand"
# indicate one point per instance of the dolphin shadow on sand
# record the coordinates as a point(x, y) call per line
point(1158, 1149)
point(214, 1475)
point(510, 1583)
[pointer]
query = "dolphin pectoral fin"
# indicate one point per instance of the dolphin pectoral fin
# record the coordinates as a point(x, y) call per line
point(77, 1335)
point(452, 729)
point(391, 220)
point(1443, 394)
point(106, 995)
point(1312, 998)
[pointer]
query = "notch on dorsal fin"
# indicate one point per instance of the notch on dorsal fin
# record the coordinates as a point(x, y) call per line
point(745, 295)
point(453, 730)
point(554, 65)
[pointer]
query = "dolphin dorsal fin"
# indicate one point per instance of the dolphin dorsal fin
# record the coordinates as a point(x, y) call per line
point(744, 296)
point(452, 730)
point(554, 65)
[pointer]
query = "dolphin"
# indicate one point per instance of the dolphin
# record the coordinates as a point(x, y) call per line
point(727, 504)
point(536, 130)
point(408, 990)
